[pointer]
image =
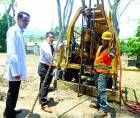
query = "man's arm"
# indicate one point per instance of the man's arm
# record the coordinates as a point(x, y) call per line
point(112, 52)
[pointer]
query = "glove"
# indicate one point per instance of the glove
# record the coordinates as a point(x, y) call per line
point(112, 52)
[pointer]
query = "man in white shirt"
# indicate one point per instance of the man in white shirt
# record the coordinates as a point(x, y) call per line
point(15, 70)
point(46, 61)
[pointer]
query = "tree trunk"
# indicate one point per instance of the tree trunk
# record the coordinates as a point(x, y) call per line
point(114, 9)
point(71, 7)
point(64, 21)
point(10, 7)
point(59, 14)
point(114, 14)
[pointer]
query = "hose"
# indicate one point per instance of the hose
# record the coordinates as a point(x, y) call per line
point(132, 106)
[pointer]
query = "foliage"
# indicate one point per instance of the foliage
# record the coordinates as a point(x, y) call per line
point(10, 4)
point(4, 1)
point(124, 47)
point(3, 30)
point(134, 44)
point(138, 32)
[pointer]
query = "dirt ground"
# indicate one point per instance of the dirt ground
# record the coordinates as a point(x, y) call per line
point(66, 104)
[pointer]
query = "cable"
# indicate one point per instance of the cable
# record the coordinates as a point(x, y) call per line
point(132, 106)
point(73, 107)
point(46, 77)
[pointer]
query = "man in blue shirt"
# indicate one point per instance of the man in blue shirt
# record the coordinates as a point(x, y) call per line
point(15, 70)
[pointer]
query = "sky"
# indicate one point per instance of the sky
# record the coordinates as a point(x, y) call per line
point(129, 19)
point(44, 14)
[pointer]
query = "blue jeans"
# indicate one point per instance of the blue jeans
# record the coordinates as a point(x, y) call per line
point(101, 84)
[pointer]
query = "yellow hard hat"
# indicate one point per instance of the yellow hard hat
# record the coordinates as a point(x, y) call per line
point(107, 35)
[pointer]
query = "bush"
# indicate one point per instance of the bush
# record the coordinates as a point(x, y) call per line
point(138, 65)
point(3, 30)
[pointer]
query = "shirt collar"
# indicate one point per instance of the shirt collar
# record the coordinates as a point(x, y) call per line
point(20, 28)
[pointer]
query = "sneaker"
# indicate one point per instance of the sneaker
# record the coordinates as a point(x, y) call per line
point(100, 114)
point(9, 114)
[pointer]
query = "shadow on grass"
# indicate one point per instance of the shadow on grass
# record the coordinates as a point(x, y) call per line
point(51, 102)
point(25, 113)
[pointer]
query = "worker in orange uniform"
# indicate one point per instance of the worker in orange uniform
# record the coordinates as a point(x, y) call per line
point(102, 67)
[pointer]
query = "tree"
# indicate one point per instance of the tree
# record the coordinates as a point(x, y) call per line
point(65, 18)
point(114, 8)
point(123, 47)
point(134, 44)
point(11, 4)
point(114, 5)
point(3, 30)
point(6, 21)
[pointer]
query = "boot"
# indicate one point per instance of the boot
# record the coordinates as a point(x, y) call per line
point(100, 114)
point(93, 105)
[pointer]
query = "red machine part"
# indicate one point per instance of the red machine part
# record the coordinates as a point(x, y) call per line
point(132, 106)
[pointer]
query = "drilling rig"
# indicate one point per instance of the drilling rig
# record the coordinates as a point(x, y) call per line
point(78, 56)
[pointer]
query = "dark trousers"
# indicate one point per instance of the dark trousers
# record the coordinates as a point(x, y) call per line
point(12, 96)
point(44, 83)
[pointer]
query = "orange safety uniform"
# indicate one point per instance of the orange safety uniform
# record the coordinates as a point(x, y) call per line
point(102, 63)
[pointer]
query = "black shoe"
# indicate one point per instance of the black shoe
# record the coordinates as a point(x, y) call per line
point(9, 116)
point(17, 111)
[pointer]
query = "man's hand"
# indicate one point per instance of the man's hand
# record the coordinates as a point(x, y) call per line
point(53, 67)
point(17, 77)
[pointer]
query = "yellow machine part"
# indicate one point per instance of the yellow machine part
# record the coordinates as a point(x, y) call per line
point(80, 59)
point(102, 22)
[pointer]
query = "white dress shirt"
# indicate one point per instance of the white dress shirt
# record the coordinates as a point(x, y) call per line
point(15, 62)
point(46, 54)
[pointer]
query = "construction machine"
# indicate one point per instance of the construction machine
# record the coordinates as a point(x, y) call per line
point(78, 56)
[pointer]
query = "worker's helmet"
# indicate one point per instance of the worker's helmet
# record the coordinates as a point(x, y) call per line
point(107, 35)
